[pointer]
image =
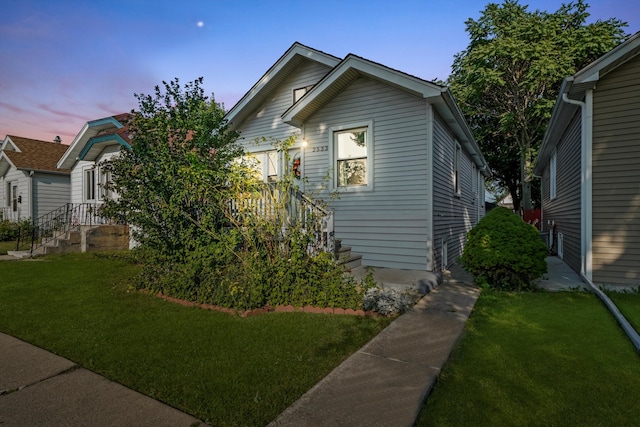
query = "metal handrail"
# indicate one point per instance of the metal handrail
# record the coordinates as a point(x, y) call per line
point(58, 222)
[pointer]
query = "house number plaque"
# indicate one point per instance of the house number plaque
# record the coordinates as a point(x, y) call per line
point(320, 148)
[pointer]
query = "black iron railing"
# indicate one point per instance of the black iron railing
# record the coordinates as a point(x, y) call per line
point(58, 223)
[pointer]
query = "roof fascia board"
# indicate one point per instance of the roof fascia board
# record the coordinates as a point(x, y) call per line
point(557, 124)
point(462, 131)
point(9, 141)
point(100, 139)
point(591, 73)
point(367, 68)
point(5, 159)
point(69, 157)
point(295, 49)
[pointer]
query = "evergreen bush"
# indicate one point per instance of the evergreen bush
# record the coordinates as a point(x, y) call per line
point(504, 252)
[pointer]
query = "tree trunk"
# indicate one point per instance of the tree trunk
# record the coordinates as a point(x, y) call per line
point(525, 182)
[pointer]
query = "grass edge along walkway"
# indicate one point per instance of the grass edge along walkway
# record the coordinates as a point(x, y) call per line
point(538, 359)
point(223, 369)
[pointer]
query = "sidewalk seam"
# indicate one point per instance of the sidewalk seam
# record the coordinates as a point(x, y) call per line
point(392, 359)
point(22, 387)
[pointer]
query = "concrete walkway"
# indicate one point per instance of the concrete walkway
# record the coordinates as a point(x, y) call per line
point(386, 382)
point(40, 388)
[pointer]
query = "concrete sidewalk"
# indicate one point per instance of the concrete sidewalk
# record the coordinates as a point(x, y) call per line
point(40, 388)
point(385, 382)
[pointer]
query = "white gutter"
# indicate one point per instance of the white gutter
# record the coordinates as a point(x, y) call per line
point(586, 170)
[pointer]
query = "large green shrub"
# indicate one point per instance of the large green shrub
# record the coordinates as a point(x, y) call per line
point(504, 252)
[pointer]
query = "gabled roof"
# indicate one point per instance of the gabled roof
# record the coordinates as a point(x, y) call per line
point(292, 58)
point(95, 136)
point(30, 154)
point(353, 67)
point(342, 73)
point(575, 87)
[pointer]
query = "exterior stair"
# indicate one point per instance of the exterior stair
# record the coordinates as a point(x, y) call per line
point(345, 258)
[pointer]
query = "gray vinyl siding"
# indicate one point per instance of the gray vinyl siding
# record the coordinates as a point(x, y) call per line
point(616, 176)
point(266, 120)
point(453, 215)
point(387, 225)
point(565, 208)
point(50, 192)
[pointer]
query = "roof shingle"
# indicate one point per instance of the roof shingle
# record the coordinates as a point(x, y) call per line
point(36, 155)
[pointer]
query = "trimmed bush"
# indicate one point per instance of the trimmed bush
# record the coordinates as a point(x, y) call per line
point(504, 252)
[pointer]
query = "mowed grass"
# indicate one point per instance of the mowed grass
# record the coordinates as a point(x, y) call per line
point(223, 369)
point(629, 305)
point(539, 359)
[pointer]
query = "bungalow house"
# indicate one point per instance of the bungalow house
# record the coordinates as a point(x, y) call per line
point(396, 149)
point(589, 163)
point(97, 141)
point(30, 183)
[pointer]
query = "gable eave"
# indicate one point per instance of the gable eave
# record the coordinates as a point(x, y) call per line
point(5, 164)
point(9, 145)
point(351, 68)
point(279, 71)
point(608, 62)
point(90, 130)
point(97, 145)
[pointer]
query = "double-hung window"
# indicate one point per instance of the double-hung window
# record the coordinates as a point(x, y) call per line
point(352, 154)
point(90, 184)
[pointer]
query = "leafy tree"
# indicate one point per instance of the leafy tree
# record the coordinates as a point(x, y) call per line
point(508, 77)
point(175, 183)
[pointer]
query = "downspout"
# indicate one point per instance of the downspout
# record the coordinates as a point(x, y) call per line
point(30, 197)
point(430, 236)
point(586, 108)
point(587, 215)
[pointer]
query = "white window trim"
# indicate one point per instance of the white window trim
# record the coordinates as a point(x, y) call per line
point(333, 156)
point(262, 156)
point(553, 165)
point(84, 184)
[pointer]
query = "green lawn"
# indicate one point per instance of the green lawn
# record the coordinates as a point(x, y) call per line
point(7, 246)
point(539, 359)
point(223, 369)
point(629, 305)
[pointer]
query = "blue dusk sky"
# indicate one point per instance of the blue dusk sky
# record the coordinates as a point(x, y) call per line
point(65, 62)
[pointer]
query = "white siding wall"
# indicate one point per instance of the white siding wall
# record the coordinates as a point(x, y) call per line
point(266, 121)
point(387, 225)
point(20, 178)
point(50, 192)
point(77, 174)
point(77, 181)
point(453, 215)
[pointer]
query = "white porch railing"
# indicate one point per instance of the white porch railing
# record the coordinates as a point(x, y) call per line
point(289, 207)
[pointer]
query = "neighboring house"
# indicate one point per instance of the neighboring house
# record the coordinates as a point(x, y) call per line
point(590, 168)
point(97, 142)
point(30, 183)
point(395, 147)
